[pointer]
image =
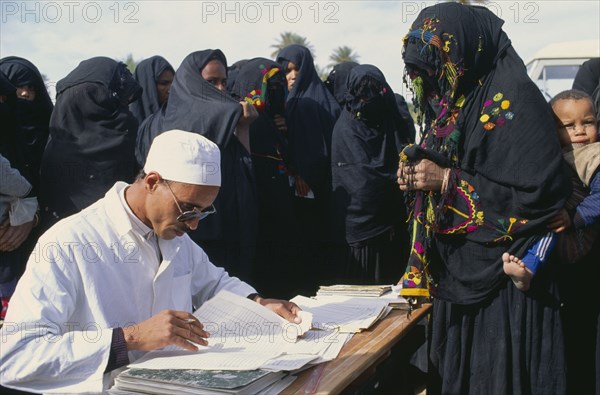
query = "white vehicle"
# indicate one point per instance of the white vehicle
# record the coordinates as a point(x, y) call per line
point(553, 68)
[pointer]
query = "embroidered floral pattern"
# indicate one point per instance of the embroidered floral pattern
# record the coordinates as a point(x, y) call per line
point(414, 280)
point(495, 112)
point(507, 227)
point(474, 217)
point(255, 98)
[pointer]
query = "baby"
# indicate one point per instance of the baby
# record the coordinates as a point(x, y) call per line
point(578, 135)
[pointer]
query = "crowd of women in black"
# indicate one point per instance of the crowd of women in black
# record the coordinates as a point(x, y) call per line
point(310, 193)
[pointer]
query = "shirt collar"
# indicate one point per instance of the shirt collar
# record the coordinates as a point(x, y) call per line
point(136, 224)
point(120, 213)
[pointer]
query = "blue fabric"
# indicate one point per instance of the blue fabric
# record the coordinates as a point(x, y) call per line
point(538, 253)
point(589, 209)
point(8, 288)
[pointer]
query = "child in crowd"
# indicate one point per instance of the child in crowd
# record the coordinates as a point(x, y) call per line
point(578, 136)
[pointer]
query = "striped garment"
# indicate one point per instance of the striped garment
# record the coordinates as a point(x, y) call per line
point(588, 211)
point(538, 253)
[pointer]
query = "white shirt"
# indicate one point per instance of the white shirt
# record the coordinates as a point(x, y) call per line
point(89, 273)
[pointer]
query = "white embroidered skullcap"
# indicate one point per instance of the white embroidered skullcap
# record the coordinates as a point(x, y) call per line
point(185, 157)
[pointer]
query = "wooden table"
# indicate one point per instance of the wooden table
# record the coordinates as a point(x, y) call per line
point(363, 352)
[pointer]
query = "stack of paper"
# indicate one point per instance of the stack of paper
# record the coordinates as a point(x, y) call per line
point(247, 336)
point(353, 290)
point(343, 313)
point(171, 381)
point(391, 296)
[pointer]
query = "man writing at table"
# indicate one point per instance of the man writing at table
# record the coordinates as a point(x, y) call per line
point(117, 279)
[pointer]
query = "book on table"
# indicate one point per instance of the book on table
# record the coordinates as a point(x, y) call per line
point(194, 381)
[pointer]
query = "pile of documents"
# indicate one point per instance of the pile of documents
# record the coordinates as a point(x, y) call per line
point(388, 293)
point(354, 290)
point(343, 314)
point(244, 336)
point(252, 350)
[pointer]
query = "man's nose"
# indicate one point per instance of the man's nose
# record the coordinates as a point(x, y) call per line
point(193, 223)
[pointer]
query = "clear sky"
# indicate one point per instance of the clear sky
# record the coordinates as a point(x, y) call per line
point(57, 35)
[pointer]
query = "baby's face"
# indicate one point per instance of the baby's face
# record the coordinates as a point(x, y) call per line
point(577, 121)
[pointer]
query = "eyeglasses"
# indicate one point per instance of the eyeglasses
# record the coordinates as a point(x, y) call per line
point(194, 213)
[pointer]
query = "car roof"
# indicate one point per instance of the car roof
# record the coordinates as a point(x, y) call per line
point(583, 49)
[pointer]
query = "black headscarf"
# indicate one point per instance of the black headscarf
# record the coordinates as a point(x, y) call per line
point(8, 122)
point(367, 138)
point(405, 114)
point(588, 76)
point(488, 121)
point(92, 136)
point(146, 74)
point(588, 80)
point(311, 112)
point(6, 87)
point(195, 105)
point(32, 118)
point(337, 80)
point(232, 73)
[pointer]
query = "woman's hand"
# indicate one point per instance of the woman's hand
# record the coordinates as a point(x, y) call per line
point(560, 222)
point(12, 237)
point(425, 175)
point(302, 188)
point(249, 115)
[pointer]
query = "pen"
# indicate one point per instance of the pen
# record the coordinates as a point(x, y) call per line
point(189, 320)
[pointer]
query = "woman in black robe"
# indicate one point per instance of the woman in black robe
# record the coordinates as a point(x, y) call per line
point(24, 121)
point(485, 178)
point(32, 116)
point(367, 139)
point(337, 80)
point(277, 270)
point(202, 105)
point(155, 76)
point(310, 112)
point(92, 137)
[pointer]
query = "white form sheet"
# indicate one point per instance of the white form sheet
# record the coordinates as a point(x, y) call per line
point(244, 336)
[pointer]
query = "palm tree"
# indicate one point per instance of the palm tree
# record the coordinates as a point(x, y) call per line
point(130, 62)
point(343, 54)
point(322, 72)
point(289, 38)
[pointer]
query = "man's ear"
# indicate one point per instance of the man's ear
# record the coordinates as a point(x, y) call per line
point(151, 181)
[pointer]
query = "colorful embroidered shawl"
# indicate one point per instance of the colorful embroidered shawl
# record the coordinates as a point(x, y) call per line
point(487, 121)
